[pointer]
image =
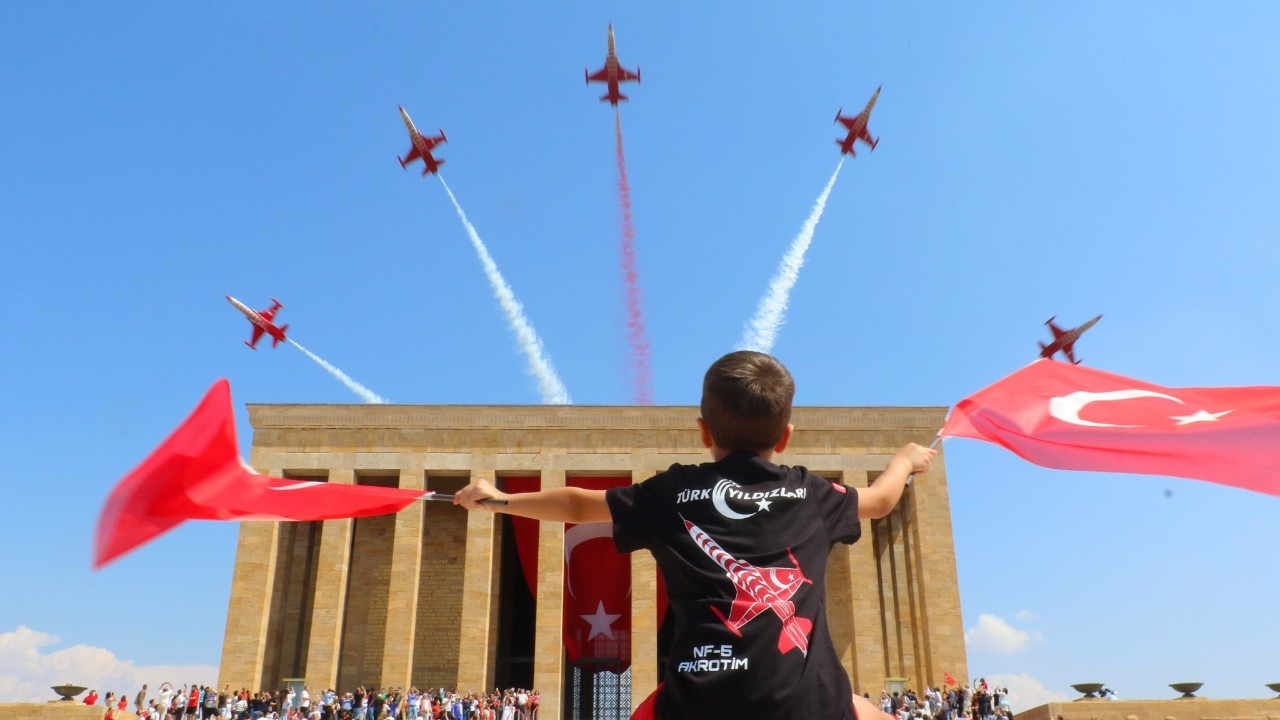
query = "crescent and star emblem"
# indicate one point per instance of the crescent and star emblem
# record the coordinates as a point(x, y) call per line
point(601, 622)
point(722, 506)
point(1067, 408)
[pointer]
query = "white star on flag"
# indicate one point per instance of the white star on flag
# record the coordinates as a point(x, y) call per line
point(1198, 416)
point(601, 622)
point(763, 504)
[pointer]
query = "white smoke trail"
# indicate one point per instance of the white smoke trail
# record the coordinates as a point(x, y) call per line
point(365, 393)
point(762, 331)
point(553, 391)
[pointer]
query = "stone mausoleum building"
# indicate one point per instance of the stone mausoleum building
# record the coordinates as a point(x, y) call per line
point(436, 596)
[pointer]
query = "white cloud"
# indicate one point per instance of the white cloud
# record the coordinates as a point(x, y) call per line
point(29, 666)
point(1025, 615)
point(1025, 692)
point(993, 634)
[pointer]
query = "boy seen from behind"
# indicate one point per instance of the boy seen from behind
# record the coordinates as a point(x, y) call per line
point(742, 544)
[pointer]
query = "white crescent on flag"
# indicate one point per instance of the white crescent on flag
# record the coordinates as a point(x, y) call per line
point(578, 534)
point(1067, 408)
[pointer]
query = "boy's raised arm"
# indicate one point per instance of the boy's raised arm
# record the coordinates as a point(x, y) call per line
point(565, 505)
point(879, 499)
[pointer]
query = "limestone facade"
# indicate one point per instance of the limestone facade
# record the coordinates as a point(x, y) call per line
point(1174, 709)
point(412, 599)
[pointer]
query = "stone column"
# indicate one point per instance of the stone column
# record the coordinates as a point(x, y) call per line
point(473, 638)
point(644, 626)
point(402, 597)
point(840, 593)
point(329, 606)
point(244, 642)
point(935, 561)
point(548, 641)
point(865, 600)
point(905, 589)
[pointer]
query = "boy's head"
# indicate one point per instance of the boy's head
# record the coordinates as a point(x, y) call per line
point(746, 401)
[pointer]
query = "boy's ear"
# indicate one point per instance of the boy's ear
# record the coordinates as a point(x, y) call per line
point(786, 438)
point(707, 441)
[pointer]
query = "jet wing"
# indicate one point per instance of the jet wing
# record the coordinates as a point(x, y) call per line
point(269, 314)
point(1069, 351)
point(601, 75)
point(257, 335)
point(1057, 331)
point(847, 122)
point(743, 611)
point(413, 155)
point(625, 74)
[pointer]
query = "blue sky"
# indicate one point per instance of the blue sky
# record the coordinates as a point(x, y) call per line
point(1035, 160)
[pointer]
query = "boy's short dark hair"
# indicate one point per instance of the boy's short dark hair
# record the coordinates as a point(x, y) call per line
point(746, 400)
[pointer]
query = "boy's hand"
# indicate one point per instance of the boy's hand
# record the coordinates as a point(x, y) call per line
point(471, 496)
point(917, 456)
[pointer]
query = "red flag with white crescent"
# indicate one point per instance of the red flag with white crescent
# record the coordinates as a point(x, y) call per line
point(1071, 417)
point(597, 588)
point(197, 474)
point(597, 578)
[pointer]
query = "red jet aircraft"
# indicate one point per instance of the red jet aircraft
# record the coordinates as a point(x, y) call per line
point(1064, 340)
point(421, 147)
point(857, 126)
point(262, 322)
point(758, 590)
point(612, 73)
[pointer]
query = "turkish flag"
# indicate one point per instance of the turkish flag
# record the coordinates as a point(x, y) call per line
point(597, 580)
point(597, 589)
point(197, 474)
point(946, 677)
point(1076, 418)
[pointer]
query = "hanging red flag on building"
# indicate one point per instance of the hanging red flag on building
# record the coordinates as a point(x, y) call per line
point(597, 581)
point(197, 474)
point(1071, 417)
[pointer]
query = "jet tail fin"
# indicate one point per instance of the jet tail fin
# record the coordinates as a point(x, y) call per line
point(795, 634)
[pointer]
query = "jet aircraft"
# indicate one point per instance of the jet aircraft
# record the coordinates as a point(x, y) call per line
point(612, 73)
point(421, 147)
point(857, 127)
point(1064, 340)
point(263, 321)
point(759, 589)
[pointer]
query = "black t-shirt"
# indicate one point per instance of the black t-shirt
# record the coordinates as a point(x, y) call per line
point(742, 545)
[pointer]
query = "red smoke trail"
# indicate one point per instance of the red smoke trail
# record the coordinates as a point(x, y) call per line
point(635, 300)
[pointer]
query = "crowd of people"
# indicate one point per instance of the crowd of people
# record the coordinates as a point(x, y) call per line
point(195, 702)
point(978, 702)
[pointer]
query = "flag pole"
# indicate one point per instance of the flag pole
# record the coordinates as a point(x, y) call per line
point(445, 497)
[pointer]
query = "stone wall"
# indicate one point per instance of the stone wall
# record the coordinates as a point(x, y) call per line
point(1176, 709)
point(58, 710)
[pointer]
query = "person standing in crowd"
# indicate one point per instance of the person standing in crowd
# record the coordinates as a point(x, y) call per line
point(166, 695)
